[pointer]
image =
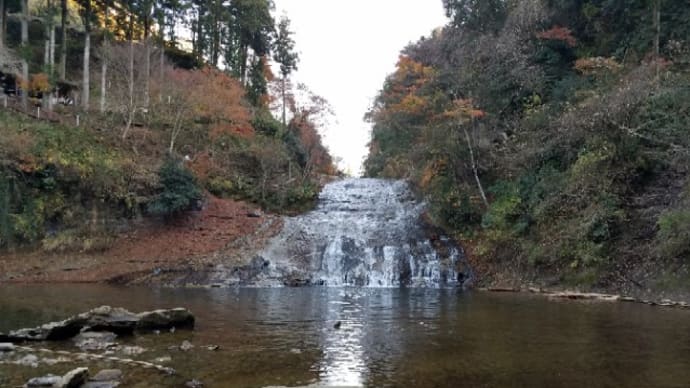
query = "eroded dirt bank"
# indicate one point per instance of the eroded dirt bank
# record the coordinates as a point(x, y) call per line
point(224, 232)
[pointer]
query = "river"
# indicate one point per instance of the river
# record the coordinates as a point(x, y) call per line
point(386, 337)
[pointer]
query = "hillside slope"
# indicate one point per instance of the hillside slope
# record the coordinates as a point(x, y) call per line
point(551, 138)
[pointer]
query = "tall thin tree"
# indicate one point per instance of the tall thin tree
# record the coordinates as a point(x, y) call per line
point(86, 76)
point(63, 43)
point(284, 53)
point(25, 53)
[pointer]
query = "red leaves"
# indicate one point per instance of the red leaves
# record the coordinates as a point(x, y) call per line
point(558, 33)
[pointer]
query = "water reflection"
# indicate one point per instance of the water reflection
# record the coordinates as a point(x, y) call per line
point(343, 362)
point(387, 337)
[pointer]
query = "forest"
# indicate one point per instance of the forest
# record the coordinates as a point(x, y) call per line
point(550, 137)
point(118, 110)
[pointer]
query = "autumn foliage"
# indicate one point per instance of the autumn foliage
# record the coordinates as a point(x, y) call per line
point(559, 33)
point(220, 98)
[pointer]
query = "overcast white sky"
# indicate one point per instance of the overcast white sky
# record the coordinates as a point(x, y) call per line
point(347, 47)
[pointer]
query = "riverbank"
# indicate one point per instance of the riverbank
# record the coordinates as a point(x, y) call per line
point(224, 232)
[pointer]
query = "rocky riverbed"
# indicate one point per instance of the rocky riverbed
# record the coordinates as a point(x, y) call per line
point(94, 338)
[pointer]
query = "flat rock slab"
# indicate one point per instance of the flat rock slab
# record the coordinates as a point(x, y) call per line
point(6, 347)
point(105, 318)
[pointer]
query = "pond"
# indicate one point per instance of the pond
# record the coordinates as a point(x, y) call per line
point(373, 337)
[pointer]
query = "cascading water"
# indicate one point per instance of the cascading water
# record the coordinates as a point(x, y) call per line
point(363, 232)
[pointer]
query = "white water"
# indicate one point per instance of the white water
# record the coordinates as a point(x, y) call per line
point(363, 232)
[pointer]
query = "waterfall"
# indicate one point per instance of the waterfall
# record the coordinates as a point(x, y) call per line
point(363, 232)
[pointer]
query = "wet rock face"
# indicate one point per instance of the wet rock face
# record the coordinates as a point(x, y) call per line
point(364, 232)
point(105, 319)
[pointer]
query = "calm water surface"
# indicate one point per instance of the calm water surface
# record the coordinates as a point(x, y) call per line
point(387, 337)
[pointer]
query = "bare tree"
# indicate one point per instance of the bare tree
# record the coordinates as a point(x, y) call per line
point(124, 61)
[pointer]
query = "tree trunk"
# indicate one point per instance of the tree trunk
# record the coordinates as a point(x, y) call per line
point(63, 43)
point(474, 167)
point(52, 49)
point(86, 76)
point(147, 58)
point(147, 72)
point(244, 57)
point(283, 95)
point(104, 60)
point(199, 36)
point(85, 92)
point(657, 38)
point(25, 62)
point(130, 108)
point(3, 16)
point(104, 72)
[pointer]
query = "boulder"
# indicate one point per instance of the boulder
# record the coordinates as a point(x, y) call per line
point(105, 318)
point(75, 378)
point(53, 331)
point(113, 319)
point(6, 347)
point(165, 319)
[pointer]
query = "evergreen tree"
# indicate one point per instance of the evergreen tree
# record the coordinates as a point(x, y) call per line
point(284, 53)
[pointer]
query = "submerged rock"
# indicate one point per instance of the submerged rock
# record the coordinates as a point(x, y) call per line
point(186, 346)
point(107, 375)
point(99, 340)
point(194, 384)
point(28, 360)
point(165, 319)
point(106, 378)
point(45, 381)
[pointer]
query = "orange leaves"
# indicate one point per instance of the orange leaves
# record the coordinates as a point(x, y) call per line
point(219, 129)
point(595, 65)
point(404, 92)
point(219, 97)
point(463, 109)
point(559, 33)
point(408, 69)
point(433, 169)
point(39, 83)
point(215, 95)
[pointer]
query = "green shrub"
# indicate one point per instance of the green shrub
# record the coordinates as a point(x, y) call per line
point(179, 190)
point(5, 227)
point(674, 233)
point(266, 124)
